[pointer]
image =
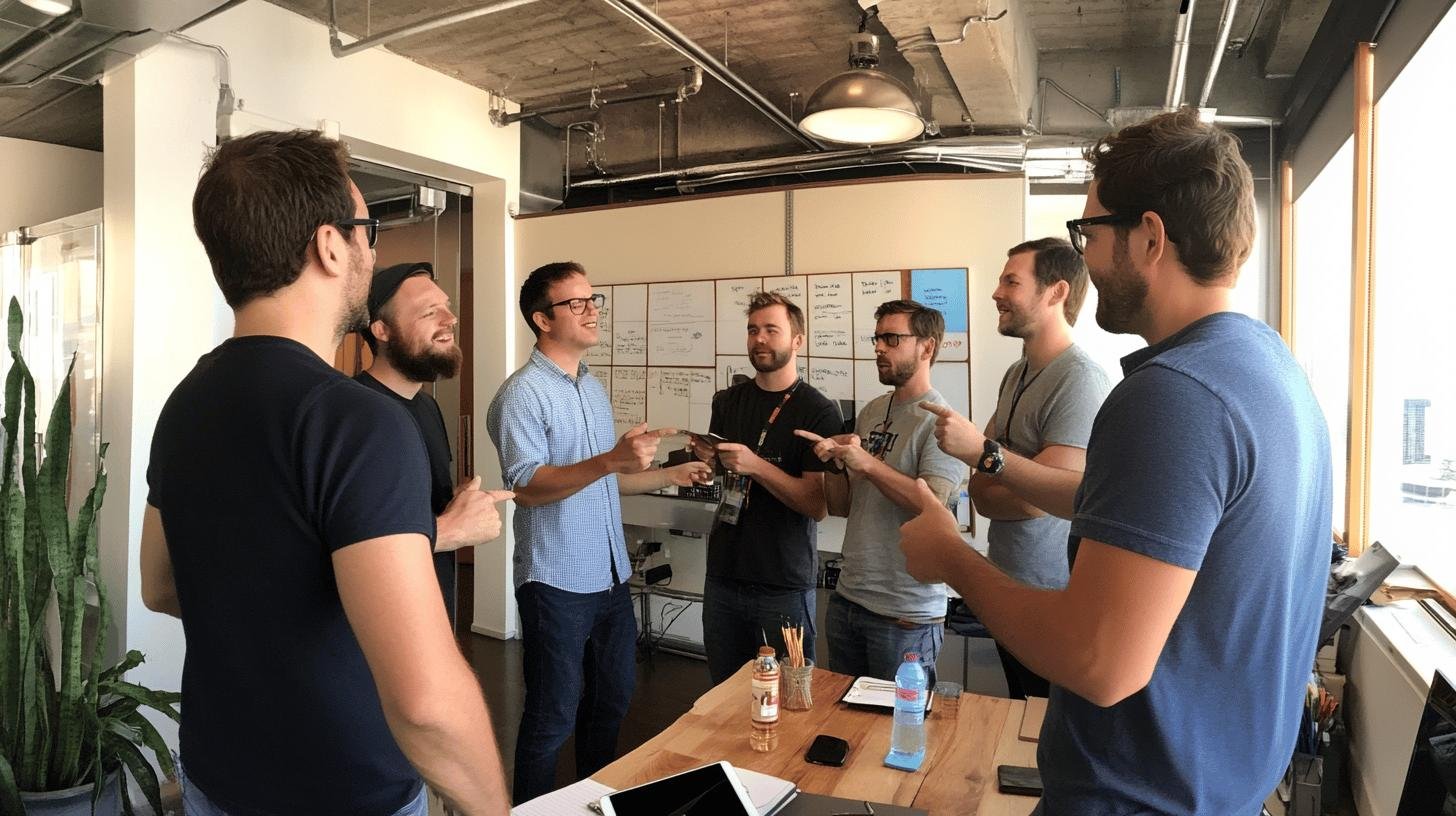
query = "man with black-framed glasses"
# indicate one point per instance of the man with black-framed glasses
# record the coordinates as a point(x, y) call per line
point(878, 611)
point(1200, 537)
point(289, 526)
point(551, 422)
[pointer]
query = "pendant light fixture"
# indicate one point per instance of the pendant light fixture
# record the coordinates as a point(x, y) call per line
point(50, 8)
point(862, 106)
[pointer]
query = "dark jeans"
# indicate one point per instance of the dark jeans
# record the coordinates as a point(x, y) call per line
point(737, 616)
point(865, 644)
point(1021, 682)
point(580, 665)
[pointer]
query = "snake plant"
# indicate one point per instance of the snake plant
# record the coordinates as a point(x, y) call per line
point(65, 719)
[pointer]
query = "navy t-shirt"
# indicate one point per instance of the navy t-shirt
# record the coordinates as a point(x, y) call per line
point(431, 422)
point(1211, 455)
point(264, 462)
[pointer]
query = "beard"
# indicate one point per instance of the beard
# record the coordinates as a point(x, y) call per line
point(354, 317)
point(424, 364)
point(1121, 293)
point(1016, 326)
point(776, 361)
point(896, 374)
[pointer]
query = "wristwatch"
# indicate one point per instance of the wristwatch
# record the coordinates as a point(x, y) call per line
point(991, 461)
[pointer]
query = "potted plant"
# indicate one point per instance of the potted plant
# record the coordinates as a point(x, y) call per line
point(68, 724)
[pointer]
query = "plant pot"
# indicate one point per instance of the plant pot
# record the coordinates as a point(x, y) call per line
point(75, 801)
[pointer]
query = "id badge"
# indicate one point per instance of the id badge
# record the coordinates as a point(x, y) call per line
point(735, 494)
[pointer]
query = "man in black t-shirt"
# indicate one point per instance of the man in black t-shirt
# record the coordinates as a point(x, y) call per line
point(289, 527)
point(762, 565)
point(412, 335)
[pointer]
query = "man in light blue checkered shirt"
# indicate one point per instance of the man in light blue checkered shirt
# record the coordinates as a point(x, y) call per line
point(551, 422)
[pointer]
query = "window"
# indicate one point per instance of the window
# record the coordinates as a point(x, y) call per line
point(1413, 419)
point(1322, 247)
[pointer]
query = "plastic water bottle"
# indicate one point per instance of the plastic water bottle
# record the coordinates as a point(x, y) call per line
point(764, 708)
point(907, 738)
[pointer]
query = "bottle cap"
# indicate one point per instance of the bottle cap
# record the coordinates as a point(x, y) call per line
point(912, 657)
point(765, 651)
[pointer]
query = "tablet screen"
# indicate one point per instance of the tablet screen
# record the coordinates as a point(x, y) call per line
point(705, 791)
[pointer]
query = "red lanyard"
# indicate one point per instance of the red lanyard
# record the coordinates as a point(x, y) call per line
point(763, 434)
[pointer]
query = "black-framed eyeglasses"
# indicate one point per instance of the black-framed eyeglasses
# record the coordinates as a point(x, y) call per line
point(578, 305)
point(1079, 238)
point(371, 225)
point(890, 339)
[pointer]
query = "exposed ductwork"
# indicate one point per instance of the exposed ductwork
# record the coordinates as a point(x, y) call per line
point(1220, 45)
point(1178, 71)
point(691, 84)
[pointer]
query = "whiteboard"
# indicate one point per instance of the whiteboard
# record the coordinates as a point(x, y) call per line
point(952, 380)
point(679, 398)
point(728, 365)
point(831, 321)
point(833, 378)
point(629, 325)
point(870, 290)
point(680, 332)
point(732, 310)
point(793, 287)
point(601, 353)
point(629, 397)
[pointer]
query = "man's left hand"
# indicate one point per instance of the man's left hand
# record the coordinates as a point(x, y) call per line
point(470, 518)
point(932, 540)
point(739, 459)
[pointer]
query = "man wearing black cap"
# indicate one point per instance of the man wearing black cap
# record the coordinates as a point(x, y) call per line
point(411, 332)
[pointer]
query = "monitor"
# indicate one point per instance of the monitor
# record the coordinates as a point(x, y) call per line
point(1430, 781)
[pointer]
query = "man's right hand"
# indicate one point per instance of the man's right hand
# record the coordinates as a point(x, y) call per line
point(635, 451)
point(470, 518)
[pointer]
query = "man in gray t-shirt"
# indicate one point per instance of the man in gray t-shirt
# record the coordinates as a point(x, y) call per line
point(1044, 412)
point(878, 612)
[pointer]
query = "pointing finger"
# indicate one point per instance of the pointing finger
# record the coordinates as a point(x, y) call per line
point(937, 409)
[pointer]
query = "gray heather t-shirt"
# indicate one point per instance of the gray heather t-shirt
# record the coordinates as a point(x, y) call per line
point(1056, 407)
point(873, 570)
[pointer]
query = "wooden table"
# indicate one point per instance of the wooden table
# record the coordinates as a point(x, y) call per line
point(966, 739)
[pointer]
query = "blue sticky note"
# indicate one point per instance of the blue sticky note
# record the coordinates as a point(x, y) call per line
point(943, 289)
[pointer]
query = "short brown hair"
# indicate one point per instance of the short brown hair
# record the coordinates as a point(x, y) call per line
point(925, 322)
point(259, 202)
point(762, 300)
point(1191, 174)
point(536, 290)
point(1056, 260)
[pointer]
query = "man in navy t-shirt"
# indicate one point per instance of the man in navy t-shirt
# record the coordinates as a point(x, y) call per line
point(411, 333)
point(289, 527)
point(1179, 651)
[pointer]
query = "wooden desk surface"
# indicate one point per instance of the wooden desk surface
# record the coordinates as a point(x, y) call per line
point(966, 739)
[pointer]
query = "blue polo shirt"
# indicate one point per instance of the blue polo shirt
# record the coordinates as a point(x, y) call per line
point(543, 416)
point(1211, 455)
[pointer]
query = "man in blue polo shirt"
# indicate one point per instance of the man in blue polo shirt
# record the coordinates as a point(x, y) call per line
point(1200, 542)
point(551, 422)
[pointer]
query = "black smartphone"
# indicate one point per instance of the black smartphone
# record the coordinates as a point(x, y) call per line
point(1018, 780)
point(827, 750)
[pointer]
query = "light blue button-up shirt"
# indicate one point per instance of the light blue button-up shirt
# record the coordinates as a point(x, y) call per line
point(543, 416)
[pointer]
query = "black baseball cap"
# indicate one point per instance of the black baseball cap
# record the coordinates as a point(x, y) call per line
point(387, 281)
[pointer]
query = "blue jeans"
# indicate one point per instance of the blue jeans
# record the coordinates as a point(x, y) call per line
point(196, 803)
point(580, 665)
point(862, 643)
point(737, 616)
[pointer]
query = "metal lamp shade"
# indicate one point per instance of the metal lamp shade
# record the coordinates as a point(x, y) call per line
point(862, 106)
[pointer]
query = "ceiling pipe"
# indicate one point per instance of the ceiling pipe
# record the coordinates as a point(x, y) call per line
point(438, 21)
point(692, 83)
point(817, 165)
point(1178, 71)
point(679, 42)
point(57, 27)
point(997, 153)
point(71, 63)
point(1225, 25)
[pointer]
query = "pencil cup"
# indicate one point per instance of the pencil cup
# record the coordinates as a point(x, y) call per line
point(799, 686)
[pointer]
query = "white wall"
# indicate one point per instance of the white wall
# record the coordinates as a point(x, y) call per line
point(162, 308)
point(45, 181)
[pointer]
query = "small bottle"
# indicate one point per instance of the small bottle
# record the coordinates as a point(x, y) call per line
point(907, 737)
point(764, 708)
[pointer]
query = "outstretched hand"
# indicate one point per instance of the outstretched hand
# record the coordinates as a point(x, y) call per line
point(932, 540)
point(955, 434)
point(845, 449)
